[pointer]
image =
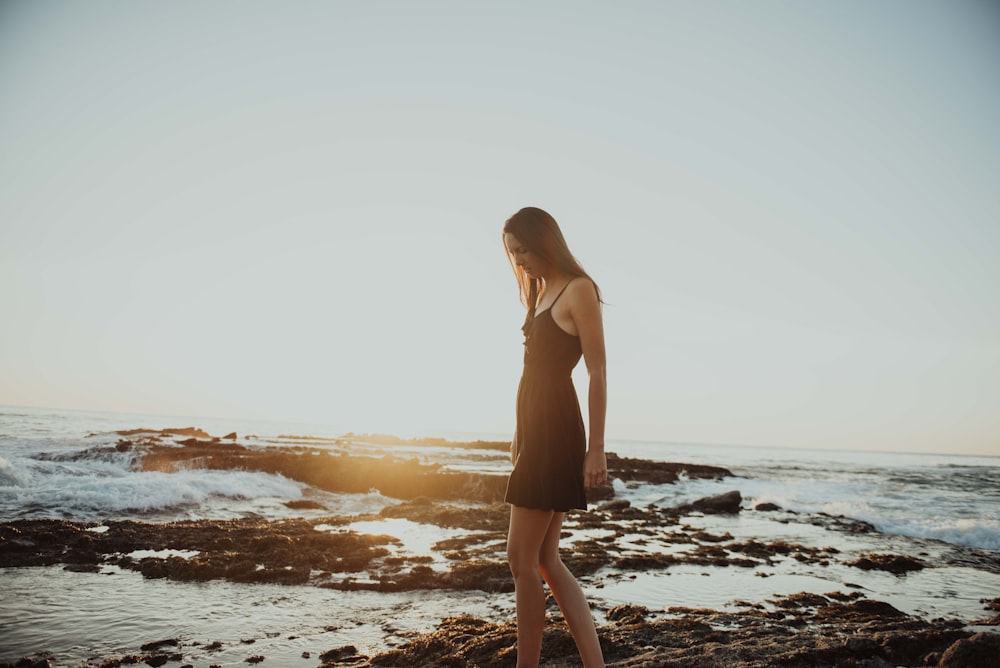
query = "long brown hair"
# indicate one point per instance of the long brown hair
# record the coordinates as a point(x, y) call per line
point(540, 234)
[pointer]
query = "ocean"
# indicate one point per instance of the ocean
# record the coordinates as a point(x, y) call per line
point(62, 464)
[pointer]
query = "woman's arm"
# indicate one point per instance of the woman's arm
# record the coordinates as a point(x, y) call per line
point(585, 310)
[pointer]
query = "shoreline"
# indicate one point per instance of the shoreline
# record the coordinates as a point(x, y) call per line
point(444, 534)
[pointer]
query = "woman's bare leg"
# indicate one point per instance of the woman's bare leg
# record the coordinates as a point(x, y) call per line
point(570, 597)
point(533, 553)
point(528, 529)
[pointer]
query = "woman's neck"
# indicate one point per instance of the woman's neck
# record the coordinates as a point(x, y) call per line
point(553, 277)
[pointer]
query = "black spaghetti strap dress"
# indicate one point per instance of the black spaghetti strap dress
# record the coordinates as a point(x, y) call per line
point(550, 436)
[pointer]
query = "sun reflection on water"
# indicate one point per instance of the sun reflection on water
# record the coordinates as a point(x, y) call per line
point(412, 539)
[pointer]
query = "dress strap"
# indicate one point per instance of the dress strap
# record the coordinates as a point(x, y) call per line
point(560, 292)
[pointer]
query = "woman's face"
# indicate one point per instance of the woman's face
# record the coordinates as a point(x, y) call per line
point(531, 263)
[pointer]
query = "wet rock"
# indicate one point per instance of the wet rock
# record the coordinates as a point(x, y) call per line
point(82, 568)
point(160, 644)
point(767, 507)
point(389, 439)
point(860, 611)
point(600, 493)
point(617, 504)
point(304, 504)
point(197, 442)
point(698, 637)
point(646, 562)
point(490, 576)
point(842, 597)
point(727, 503)
point(244, 550)
point(27, 662)
point(460, 642)
point(978, 651)
point(658, 473)
point(587, 557)
point(495, 517)
point(181, 431)
point(127, 660)
point(991, 604)
point(893, 563)
point(773, 550)
point(339, 655)
point(841, 523)
point(803, 600)
point(722, 503)
point(334, 472)
point(627, 614)
point(706, 537)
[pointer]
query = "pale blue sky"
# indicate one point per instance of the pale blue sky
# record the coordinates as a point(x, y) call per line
point(292, 210)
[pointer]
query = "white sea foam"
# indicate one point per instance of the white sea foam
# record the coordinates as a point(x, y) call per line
point(917, 507)
point(93, 487)
point(354, 504)
point(8, 476)
point(972, 532)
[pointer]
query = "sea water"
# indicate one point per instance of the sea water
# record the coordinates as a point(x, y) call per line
point(953, 498)
point(63, 464)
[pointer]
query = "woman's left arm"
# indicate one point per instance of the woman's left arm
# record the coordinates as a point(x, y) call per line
point(585, 309)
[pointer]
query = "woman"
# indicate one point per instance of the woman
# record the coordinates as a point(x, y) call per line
point(553, 463)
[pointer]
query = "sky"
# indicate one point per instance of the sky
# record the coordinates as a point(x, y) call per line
point(293, 211)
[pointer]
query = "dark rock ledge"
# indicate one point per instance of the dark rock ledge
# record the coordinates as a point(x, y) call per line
point(398, 477)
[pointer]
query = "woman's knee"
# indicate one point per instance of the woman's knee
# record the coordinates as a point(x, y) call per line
point(550, 566)
point(520, 561)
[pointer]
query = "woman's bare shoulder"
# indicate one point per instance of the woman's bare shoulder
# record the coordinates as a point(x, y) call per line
point(582, 290)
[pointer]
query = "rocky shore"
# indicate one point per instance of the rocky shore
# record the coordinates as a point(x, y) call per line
point(807, 631)
point(838, 628)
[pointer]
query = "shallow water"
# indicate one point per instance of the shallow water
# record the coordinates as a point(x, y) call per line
point(410, 538)
point(946, 592)
point(79, 615)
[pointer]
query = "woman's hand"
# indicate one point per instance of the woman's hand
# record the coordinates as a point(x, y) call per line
point(595, 468)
